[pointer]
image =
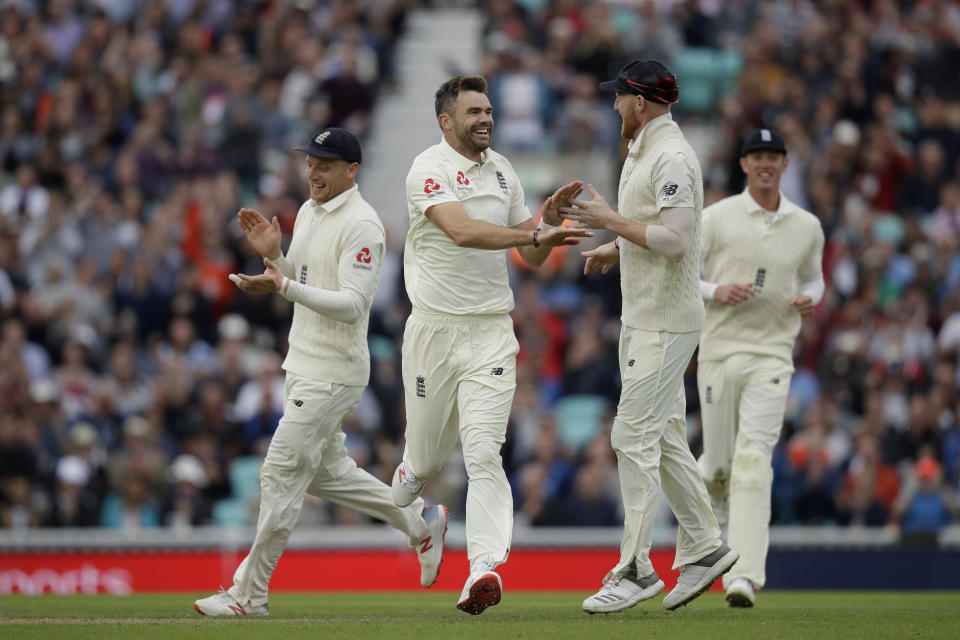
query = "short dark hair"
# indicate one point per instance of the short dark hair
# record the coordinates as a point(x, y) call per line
point(449, 91)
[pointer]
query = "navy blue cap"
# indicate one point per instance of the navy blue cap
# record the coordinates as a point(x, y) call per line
point(333, 142)
point(763, 139)
point(647, 78)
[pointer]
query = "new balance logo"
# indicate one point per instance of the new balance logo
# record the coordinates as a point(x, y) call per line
point(775, 381)
point(237, 609)
point(708, 396)
point(425, 545)
point(497, 371)
point(421, 387)
point(630, 362)
point(303, 274)
point(298, 403)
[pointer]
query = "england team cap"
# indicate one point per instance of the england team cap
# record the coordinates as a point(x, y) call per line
point(647, 78)
point(763, 139)
point(333, 142)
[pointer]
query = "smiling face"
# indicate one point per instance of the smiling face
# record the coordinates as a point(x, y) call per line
point(329, 177)
point(470, 125)
point(764, 168)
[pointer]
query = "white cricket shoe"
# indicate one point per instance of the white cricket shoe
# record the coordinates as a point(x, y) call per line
point(406, 486)
point(223, 604)
point(622, 592)
point(482, 589)
point(430, 549)
point(740, 593)
point(697, 577)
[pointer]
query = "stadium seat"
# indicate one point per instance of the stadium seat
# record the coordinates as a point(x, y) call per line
point(231, 512)
point(703, 75)
point(578, 418)
point(245, 477)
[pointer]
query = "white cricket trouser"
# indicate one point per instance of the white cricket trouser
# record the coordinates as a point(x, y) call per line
point(459, 377)
point(650, 438)
point(307, 455)
point(742, 401)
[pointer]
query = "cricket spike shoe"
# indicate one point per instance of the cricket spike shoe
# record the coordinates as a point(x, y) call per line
point(430, 549)
point(406, 486)
point(223, 604)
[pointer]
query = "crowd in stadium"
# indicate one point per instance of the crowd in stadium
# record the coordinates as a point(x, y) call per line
point(137, 384)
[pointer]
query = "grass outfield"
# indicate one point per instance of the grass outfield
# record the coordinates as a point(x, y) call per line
point(819, 615)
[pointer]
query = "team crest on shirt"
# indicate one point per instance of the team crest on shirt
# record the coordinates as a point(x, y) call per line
point(432, 188)
point(502, 181)
point(463, 183)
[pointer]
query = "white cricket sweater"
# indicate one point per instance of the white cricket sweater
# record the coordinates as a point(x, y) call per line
point(320, 347)
point(740, 240)
point(661, 171)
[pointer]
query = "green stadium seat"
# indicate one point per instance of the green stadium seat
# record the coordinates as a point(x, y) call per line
point(245, 477)
point(578, 418)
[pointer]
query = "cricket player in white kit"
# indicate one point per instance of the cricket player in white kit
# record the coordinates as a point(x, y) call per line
point(762, 258)
point(658, 247)
point(459, 351)
point(330, 272)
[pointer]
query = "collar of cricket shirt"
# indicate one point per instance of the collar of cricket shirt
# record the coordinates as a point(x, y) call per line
point(784, 208)
point(332, 205)
point(649, 131)
point(459, 161)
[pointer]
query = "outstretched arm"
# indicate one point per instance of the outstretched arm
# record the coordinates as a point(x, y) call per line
point(452, 218)
point(672, 239)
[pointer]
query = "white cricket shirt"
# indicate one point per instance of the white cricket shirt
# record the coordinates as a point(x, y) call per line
point(741, 244)
point(440, 276)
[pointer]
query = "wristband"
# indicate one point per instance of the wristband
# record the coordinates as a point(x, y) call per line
point(284, 286)
point(536, 244)
point(546, 225)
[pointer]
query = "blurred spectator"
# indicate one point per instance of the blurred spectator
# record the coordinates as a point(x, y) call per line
point(924, 504)
point(187, 505)
point(869, 486)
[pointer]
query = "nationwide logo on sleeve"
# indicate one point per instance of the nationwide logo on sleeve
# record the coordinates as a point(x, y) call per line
point(364, 258)
point(668, 191)
point(432, 188)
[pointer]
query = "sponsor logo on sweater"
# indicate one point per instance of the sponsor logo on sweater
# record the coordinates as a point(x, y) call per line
point(463, 183)
point(364, 258)
point(432, 188)
point(668, 192)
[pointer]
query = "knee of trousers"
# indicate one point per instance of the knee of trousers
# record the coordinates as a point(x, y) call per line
point(751, 470)
point(276, 477)
point(627, 442)
point(483, 461)
point(716, 479)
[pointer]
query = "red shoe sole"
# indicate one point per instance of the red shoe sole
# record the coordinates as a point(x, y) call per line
point(198, 609)
point(484, 593)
